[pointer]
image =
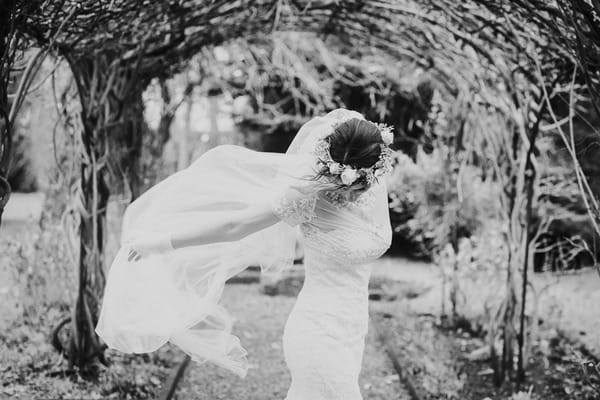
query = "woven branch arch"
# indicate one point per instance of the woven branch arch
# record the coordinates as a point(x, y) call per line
point(115, 46)
point(434, 32)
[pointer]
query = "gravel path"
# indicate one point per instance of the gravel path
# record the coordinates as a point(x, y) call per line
point(260, 325)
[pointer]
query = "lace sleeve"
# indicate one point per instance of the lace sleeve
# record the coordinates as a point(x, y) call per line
point(294, 210)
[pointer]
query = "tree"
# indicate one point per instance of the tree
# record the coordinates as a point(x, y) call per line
point(115, 48)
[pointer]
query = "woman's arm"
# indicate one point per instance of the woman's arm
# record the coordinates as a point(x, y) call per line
point(289, 206)
point(226, 226)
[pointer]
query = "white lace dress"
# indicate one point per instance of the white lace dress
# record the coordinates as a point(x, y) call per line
point(324, 336)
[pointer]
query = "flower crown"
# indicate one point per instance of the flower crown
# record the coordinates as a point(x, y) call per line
point(347, 174)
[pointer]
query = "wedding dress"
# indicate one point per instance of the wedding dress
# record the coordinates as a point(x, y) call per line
point(324, 336)
point(175, 296)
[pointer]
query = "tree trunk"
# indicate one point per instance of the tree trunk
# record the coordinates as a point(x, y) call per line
point(538, 107)
point(7, 35)
point(112, 120)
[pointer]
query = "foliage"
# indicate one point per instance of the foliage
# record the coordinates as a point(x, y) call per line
point(426, 208)
point(38, 266)
point(286, 78)
point(426, 355)
point(21, 176)
point(569, 240)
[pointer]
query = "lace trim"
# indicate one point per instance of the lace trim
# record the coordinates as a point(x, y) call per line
point(365, 199)
point(294, 212)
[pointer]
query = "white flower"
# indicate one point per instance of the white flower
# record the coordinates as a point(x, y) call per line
point(387, 136)
point(349, 176)
point(335, 168)
point(369, 175)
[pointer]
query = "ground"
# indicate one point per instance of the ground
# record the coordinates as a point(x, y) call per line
point(35, 294)
point(260, 323)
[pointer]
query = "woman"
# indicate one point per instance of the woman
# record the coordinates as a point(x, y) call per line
point(235, 207)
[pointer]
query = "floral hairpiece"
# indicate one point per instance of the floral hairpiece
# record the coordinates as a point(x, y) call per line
point(348, 174)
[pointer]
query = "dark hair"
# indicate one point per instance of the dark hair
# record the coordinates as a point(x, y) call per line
point(355, 142)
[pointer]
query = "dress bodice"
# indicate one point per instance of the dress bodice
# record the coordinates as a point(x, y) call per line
point(339, 237)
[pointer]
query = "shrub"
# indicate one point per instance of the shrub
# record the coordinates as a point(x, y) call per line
point(431, 207)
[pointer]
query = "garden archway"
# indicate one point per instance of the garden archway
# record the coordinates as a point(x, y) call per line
point(496, 56)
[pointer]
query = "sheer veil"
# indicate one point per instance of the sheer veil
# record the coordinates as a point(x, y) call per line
point(174, 297)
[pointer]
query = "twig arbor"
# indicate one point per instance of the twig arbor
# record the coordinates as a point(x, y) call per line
point(8, 47)
point(476, 49)
point(13, 65)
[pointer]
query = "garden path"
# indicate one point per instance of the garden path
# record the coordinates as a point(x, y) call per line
point(260, 323)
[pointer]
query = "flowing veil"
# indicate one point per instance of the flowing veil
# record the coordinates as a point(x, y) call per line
point(175, 296)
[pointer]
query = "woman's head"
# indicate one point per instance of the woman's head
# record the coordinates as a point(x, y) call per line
point(354, 154)
point(355, 142)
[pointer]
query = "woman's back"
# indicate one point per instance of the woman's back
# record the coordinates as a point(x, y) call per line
point(325, 332)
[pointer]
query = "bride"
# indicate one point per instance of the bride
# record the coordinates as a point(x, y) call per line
point(235, 207)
